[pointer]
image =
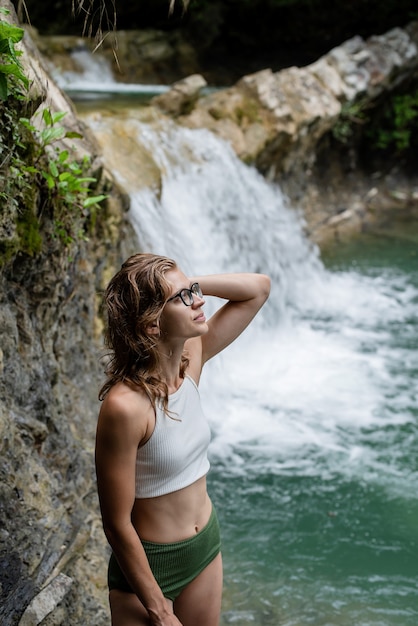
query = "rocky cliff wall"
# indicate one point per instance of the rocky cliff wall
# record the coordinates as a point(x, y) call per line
point(51, 345)
point(52, 548)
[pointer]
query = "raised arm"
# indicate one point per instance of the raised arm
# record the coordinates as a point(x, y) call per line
point(246, 294)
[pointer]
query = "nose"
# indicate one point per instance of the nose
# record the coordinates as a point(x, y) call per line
point(197, 301)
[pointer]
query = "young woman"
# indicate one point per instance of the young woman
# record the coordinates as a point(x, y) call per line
point(152, 439)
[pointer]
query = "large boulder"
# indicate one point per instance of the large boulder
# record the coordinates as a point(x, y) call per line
point(279, 117)
point(182, 97)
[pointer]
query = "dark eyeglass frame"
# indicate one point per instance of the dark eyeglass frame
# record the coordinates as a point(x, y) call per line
point(194, 290)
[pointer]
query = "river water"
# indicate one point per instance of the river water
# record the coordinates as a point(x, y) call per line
point(313, 409)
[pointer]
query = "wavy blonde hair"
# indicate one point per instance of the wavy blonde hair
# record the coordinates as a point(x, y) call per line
point(134, 301)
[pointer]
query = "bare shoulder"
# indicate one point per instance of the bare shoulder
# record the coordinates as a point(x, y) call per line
point(126, 411)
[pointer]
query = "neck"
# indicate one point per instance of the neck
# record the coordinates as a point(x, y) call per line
point(170, 366)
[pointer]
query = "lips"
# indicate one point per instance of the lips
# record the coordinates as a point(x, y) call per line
point(200, 318)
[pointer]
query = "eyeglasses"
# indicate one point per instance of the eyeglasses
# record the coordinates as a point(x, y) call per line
point(187, 295)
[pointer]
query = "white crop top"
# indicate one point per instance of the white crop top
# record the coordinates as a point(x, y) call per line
point(175, 455)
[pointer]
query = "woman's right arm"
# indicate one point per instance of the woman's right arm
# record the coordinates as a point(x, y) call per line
point(119, 432)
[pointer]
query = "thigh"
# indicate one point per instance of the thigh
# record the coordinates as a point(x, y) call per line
point(127, 610)
point(200, 602)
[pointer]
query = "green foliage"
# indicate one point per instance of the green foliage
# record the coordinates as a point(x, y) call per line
point(397, 126)
point(352, 115)
point(68, 187)
point(393, 126)
point(40, 178)
point(11, 72)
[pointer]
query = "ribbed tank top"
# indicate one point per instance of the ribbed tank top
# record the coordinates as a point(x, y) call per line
point(175, 455)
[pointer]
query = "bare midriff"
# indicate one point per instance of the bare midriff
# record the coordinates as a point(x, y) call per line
point(173, 517)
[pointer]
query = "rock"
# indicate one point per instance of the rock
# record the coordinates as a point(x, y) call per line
point(298, 106)
point(45, 602)
point(137, 162)
point(182, 96)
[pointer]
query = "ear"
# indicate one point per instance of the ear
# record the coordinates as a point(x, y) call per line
point(153, 329)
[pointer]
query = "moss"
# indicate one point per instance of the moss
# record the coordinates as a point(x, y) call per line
point(248, 159)
point(8, 249)
point(28, 230)
point(247, 112)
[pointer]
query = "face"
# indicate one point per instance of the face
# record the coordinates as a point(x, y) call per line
point(177, 319)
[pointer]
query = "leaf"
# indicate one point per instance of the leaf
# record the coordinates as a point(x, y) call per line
point(7, 48)
point(63, 156)
point(53, 169)
point(71, 134)
point(73, 186)
point(57, 116)
point(47, 117)
point(86, 179)
point(50, 135)
point(93, 200)
point(13, 69)
point(63, 186)
point(74, 168)
point(11, 32)
point(49, 179)
point(27, 123)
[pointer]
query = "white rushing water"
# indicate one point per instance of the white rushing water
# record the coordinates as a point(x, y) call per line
point(298, 390)
point(95, 76)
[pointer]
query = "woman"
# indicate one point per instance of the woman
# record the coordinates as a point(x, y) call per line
point(152, 439)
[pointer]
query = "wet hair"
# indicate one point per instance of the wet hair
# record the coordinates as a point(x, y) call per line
point(134, 301)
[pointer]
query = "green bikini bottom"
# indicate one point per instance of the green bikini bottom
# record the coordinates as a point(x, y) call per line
point(174, 565)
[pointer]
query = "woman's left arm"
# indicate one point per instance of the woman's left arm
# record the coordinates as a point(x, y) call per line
point(246, 294)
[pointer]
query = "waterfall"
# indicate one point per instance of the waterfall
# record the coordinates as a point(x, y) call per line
point(215, 214)
point(94, 76)
point(297, 388)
